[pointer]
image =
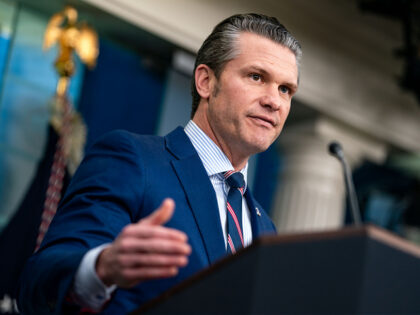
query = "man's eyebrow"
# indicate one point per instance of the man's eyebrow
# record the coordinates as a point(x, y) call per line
point(258, 69)
point(292, 86)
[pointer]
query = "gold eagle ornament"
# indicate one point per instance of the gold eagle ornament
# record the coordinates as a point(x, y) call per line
point(70, 36)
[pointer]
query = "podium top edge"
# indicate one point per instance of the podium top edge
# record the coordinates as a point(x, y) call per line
point(369, 230)
point(393, 240)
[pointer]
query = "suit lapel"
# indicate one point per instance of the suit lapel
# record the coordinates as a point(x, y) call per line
point(255, 219)
point(260, 222)
point(199, 191)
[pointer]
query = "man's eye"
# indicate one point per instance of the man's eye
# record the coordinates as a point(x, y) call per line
point(255, 76)
point(284, 89)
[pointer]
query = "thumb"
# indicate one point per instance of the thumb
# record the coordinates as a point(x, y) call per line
point(161, 215)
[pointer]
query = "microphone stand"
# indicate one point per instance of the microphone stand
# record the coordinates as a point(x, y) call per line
point(337, 151)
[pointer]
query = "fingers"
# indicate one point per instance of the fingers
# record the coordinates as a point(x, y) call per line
point(142, 274)
point(139, 230)
point(159, 246)
point(162, 215)
point(152, 261)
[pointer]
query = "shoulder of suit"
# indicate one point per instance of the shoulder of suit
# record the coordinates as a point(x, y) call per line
point(124, 138)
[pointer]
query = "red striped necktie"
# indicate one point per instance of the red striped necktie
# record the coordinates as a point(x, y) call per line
point(235, 238)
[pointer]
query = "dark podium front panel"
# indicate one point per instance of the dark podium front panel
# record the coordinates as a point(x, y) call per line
point(352, 271)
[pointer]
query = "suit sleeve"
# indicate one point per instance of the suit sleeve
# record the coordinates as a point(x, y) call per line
point(105, 194)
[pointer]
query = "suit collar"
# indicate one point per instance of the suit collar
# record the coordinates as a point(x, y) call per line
point(178, 143)
point(199, 191)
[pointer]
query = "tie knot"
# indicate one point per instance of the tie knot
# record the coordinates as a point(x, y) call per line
point(234, 179)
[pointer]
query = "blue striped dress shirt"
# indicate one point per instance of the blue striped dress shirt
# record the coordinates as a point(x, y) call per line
point(216, 163)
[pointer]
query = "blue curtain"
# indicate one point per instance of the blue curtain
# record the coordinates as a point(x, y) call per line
point(121, 93)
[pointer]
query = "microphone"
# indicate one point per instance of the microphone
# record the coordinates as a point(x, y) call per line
point(336, 150)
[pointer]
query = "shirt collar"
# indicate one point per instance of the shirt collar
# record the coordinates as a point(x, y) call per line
point(212, 157)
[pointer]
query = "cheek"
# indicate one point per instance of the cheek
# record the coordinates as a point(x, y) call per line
point(284, 112)
point(234, 105)
point(238, 92)
point(235, 97)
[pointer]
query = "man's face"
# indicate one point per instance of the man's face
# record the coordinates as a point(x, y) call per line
point(249, 103)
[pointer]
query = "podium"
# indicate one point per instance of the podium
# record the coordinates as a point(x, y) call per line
point(349, 271)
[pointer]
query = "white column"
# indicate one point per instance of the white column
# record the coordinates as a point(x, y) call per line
point(311, 194)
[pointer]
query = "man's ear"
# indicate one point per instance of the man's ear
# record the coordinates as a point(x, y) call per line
point(204, 80)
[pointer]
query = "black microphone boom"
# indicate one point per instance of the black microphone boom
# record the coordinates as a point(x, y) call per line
point(337, 151)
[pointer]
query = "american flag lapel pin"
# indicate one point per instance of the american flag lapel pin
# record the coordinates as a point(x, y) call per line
point(258, 211)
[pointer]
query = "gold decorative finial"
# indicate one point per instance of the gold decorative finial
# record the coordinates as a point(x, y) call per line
point(68, 123)
point(71, 36)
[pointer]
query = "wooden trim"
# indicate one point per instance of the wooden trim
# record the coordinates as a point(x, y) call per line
point(393, 240)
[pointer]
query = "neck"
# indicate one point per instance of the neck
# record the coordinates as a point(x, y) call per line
point(238, 161)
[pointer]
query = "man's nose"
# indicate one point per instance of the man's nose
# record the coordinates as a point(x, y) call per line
point(271, 98)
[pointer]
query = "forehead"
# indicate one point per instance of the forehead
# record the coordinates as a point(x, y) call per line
point(256, 50)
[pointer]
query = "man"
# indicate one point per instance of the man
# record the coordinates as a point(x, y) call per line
point(117, 240)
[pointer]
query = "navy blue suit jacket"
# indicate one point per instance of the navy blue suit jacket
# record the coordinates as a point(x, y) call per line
point(123, 178)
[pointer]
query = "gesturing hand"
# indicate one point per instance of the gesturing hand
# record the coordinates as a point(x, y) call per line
point(144, 250)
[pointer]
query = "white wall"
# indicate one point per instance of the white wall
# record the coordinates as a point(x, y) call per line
point(348, 70)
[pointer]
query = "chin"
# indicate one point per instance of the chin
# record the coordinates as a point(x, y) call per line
point(263, 141)
point(258, 146)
